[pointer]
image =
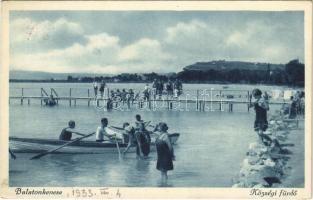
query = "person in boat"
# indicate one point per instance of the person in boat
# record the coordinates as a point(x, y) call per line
point(66, 133)
point(132, 140)
point(261, 107)
point(13, 156)
point(102, 131)
point(165, 152)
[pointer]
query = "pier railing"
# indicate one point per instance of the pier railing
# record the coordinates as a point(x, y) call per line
point(201, 99)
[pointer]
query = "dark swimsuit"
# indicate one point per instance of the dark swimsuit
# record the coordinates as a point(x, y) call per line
point(165, 156)
point(65, 135)
point(260, 118)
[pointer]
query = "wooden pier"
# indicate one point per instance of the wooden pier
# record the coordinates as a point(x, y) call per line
point(199, 101)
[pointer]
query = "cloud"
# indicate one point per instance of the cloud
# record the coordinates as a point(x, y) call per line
point(102, 53)
point(28, 34)
point(62, 45)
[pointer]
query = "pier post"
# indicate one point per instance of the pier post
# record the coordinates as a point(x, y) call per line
point(22, 99)
point(197, 100)
point(220, 107)
point(230, 106)
point(203, 106)
point(70, 100)
point(28, 101)
point(41, 96)
point(249, 100)
point(88, 97)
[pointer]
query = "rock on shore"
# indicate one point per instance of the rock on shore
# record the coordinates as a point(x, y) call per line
point(266, 165)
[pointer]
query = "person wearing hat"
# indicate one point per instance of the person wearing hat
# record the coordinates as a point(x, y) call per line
point(261, 107)
point(66, 133)
point(165, 152)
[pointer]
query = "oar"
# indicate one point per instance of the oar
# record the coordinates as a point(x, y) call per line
point(118, 128)
point(118, 148)
point(53, 150)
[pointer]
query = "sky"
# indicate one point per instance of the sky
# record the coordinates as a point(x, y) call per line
point(113, 42)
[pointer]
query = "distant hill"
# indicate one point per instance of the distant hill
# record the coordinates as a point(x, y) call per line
point(37, 75)
point(222, 65)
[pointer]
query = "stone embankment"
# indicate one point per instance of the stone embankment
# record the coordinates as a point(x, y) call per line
point(266, 165)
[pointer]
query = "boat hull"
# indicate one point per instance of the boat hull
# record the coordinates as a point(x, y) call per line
point(31, 145)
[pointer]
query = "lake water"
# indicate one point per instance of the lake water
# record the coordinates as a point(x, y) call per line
point(208, 153)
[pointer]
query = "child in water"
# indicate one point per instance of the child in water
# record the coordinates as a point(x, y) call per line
point(261, 107)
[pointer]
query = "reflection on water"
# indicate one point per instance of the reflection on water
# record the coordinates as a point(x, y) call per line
point(208, 154)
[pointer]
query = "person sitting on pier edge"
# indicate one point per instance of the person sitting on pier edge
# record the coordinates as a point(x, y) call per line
point(132, 141)
point(165, 152)
point(66, 133)
point(101, 131)
point(261, 107)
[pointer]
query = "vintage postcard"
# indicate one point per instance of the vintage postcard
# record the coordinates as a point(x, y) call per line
point(156, 99)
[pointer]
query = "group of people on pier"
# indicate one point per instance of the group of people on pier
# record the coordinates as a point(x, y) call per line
point(159, 88)
point(135, 135)
point(99, 86)
point(296, 106)
point(171, 88)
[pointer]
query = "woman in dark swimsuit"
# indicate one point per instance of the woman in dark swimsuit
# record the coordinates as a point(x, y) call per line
point(261, 107)
point(165, 152)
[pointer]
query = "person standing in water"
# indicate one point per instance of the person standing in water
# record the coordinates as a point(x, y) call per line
point(165, 152)
point(261, 107)
point(66, 133)
point(132, 140)
point(142, 136)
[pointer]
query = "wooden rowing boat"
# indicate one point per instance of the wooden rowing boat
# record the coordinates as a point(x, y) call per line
point(33, 145)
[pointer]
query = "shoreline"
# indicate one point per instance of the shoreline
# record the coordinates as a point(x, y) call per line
point(275, 166)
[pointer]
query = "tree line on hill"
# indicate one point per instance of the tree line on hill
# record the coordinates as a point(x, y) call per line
point(291, 74)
